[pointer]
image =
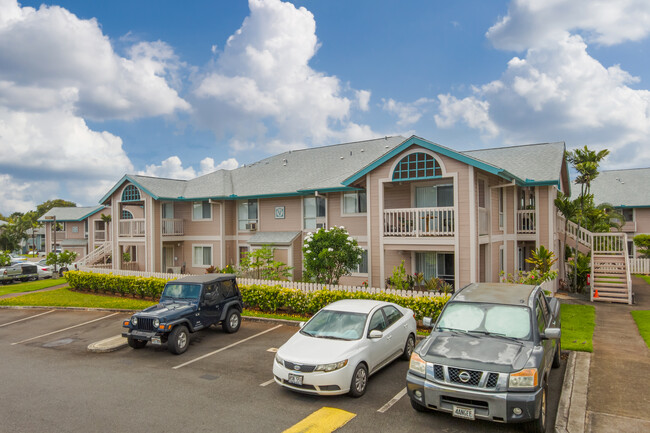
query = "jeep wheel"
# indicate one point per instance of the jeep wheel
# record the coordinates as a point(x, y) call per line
point(135, 343)
point(556, 357)
point(539, 425)
point(232, 322)
point(178, 340)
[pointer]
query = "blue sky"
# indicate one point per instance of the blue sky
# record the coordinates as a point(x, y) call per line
point(90, 91)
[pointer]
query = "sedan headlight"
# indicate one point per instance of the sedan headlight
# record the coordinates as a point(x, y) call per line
point(134, 320)
point(279, 360)
point(156, 322)
point(524, 379)
point(418, 365)
point(331, 367)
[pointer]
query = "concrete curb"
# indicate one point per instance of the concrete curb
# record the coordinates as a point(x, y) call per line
point(572, 409)
point(108, 345)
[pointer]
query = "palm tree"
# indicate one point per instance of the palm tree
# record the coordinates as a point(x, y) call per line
point(107, 219)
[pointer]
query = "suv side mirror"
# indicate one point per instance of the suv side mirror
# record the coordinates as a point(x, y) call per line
point(551, 334)
point(427, 322)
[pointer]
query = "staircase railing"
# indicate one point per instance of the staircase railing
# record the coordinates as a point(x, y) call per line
point(103, 249)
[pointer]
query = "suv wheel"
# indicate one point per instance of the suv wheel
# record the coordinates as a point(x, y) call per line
point(179, 340)
point(136, 344)
point(539, 425)
point(232, 322)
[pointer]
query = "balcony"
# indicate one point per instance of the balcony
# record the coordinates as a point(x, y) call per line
point(526, 221)
point(419, 222)
point(132, 227)
point(100, 235)
point(172, 227)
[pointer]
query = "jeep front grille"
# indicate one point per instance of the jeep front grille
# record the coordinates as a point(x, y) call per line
point(145, 324)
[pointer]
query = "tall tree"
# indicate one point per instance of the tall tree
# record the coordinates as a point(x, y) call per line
point(42, 208)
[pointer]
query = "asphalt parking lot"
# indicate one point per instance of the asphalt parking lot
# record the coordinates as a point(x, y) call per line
point(51, 382)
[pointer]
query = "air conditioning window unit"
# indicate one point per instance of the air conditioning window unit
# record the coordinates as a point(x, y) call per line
point(174, 270)
point(251, 226)
point(321, 225)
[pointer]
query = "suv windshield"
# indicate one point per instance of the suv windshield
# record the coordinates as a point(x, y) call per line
point(182, 291)
point(340, 325)
point(505, 320)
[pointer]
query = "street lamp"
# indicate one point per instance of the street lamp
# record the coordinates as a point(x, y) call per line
point(53, 217)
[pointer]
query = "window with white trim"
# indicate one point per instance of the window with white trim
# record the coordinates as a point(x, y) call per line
point(315, 212)
point(362, 268)
point(202, 255)
point(354, 202)
point(201, 210)
point(246, 213)
point(501, 208)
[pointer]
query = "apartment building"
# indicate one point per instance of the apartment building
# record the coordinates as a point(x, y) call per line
point(461, 216)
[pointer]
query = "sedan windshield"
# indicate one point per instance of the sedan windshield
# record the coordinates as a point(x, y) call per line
point(340, 325)
point(502, 320)
point(182, 291)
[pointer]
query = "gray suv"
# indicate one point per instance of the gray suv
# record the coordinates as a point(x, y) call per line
point(489, 355)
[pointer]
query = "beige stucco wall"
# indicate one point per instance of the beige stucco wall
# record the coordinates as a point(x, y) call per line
point(292, 220)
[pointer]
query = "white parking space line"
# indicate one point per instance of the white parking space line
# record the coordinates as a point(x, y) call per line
point(64, 329)
point(224, 348)
point(394, 400)
point(268, 382)
point(26, 318)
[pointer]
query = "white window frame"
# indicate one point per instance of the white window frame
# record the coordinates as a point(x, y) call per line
point(356, 272)
point(319, 219)
point(194, 203)
point(356, 194)
point(247, 220)
point(195, 264)
point(502, 261)
point(501, 208)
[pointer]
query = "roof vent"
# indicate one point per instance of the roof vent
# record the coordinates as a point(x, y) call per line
point(284, 162)
point(362, 150)
point(350, 153)
point(341, 157)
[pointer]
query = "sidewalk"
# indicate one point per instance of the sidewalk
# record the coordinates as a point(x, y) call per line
point(608, 390)
point(618, 399)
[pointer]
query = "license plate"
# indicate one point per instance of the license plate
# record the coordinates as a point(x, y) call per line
point(155, 340)
point(463, 412)
point(295, 379)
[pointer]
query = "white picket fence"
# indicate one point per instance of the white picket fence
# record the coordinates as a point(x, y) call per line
point(640, 266)
point(304, 287)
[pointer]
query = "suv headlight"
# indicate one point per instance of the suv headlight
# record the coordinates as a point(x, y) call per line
point(418, 365)
point(156, 322)
point(331, 367)
point(134, 320)
point(279, 360)
point(524, 379)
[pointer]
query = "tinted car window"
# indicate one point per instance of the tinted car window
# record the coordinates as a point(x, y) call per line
point(541, 321)
point(392, 314)
point(227, 288)
point(377, 322)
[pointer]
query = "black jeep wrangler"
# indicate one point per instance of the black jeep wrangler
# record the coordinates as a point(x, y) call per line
point(187, 305)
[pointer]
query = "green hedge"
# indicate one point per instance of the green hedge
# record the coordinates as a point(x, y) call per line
point(265, 298)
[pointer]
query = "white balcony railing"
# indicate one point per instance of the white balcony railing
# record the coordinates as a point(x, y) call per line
point(416, 222)
point(526, 221)
point(134, 227)
point(100, 235)
point(172, 227)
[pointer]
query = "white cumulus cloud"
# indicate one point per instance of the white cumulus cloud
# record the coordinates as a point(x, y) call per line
point(172, 168)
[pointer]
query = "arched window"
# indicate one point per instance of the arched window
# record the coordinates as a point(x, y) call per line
point(131, 193)
point(417, 166)
point(126, 215)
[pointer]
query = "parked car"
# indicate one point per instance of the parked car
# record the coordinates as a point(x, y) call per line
point(187, 305)
point(489, 355)
point(16, 258)
point(44, 270)
point(342, 345)
point(22, 271)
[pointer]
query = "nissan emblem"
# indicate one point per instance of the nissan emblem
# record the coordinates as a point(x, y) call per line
point(464, 376)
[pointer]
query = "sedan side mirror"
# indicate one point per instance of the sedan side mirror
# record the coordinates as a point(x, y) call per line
point(301, 324)
point(375, 334)
point(552, 334)
point(427, 322)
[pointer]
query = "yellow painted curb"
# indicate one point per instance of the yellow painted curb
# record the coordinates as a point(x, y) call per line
point(324, 420)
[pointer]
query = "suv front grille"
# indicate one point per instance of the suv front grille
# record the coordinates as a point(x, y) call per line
point(145, 324)
point(477, 378)
point(303, 368)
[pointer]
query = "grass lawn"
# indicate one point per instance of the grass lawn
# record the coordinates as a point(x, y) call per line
point(578, 322)
point(31, 286)
point(68, 298)
point(642, 319)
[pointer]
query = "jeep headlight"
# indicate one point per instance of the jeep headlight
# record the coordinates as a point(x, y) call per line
point(279, 360)
point(418, 365)
point(331, 367)
point(523, 379)
point(156, 322)
point(134, 320)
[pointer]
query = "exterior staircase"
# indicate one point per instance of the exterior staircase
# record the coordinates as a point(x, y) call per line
point(97, 255)
point(610, 268)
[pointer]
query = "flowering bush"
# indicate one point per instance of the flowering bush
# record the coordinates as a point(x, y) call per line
point(330, 254)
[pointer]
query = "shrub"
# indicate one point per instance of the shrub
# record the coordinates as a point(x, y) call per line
point(118, 285)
